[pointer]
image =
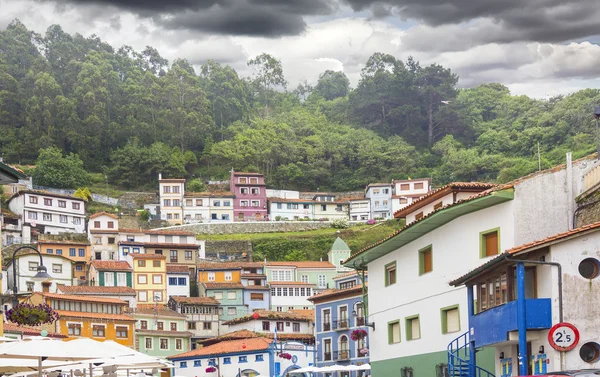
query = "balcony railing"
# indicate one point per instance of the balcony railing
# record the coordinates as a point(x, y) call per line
point(360, 321)
point(341, 355)
point(341, 324)
point(326, 326)
point(327, 356)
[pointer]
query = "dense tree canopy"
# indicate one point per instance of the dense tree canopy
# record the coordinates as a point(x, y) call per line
point(74, 102)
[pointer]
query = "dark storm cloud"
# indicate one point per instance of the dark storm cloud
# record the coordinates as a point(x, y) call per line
point(270, 18)
point(521, 20)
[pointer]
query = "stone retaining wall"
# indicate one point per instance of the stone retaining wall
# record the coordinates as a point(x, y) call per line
point(252, 227)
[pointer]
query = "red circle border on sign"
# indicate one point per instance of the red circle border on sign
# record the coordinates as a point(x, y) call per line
point(556, 346)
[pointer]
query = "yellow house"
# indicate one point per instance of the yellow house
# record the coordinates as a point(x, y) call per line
point(226, 272)
point(149, 278)
point(98, 318)
point(76, 251)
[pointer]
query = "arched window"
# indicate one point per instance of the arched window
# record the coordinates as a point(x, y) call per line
point(360, 314)
point(344, 350)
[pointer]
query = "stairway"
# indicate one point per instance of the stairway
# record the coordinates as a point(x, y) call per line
point(459, 360)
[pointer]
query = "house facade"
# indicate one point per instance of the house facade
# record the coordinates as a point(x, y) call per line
point(380, 195)
point(272, 322)
point(222, 207)
point(526, 282)
point(441, 243)
point(360, 209)
point(407, 191)
point(77, 252)
point(201, 316)
point(160, 331)
point(318, 273)
point(149, 278)
point(27, 263)
point(339, 313)
point(230, 297)
point(178, 280)
point(111, 274)
point(120, 292)
point(196, 207)
point(245, 357)
point(98, 318)
point(250, 202)
point(171, 199)
point(103, 230)
point(50, 213)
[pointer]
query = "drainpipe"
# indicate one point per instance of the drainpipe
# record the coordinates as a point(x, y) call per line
point(560, 296)
point(472, 350)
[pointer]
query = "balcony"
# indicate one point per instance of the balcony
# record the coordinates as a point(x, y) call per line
point(340, 325)
point(360, 321)
point(327, 326)
point(341, 355)
point(503, 319)
point(327, 356)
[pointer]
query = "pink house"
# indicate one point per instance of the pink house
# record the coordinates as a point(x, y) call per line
point(250, 203)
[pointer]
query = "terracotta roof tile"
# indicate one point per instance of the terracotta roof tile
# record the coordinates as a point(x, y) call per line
point(180, 334)
point(380, 184)
point(195, 300)
point(46, 193)
point(149, 309)
point(132, 230)
point(235, 173)
point(172, 232)
point(347, 274)
point(253, 276)
point(58, 296)
point(291, 283)
point(98, 214)
point(164, 245)
point(65, 242)
point(177, 269)
point(114, 317)
point(442, 191)
point(552, 239)
point(104, 231)
point(111, 265)
point(197, 195)
point(147, 256)
point(330, 293)
point(223, 285)
point(268, 314)
point(230, 346)
point(247, 334)
point(227, 265)
point(94, 289)
point(303, 264)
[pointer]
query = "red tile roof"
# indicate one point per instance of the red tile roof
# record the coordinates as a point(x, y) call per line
point(331, 293)
point(245, 173)
point(227, 265)
point(98, 214)
point(171, 180)
point(159, 310)
point(107, 300)
point(170, 232)
point(195, 300)
point(552, 239)
point(347, 274)
point(247, 334)
point(162, 245)
point(230, 346)
point(180, 334)
point(273, 315)
point(114, 317)
point(111, 265)
point(177, 268)
point(223, 285)
point(132, 230)
point(303, 264)
point(253, 276)
point(65, 242)
point(46, 193)
point(94, 289)
point(104, 231)
point(147, 256)
point(29, 331)
point(291, 283)
point(434, 195)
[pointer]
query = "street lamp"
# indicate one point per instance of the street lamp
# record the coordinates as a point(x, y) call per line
point(597, 115)
point(372, 324)
point(41, 275)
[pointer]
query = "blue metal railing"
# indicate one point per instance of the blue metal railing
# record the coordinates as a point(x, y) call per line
point(459, 359)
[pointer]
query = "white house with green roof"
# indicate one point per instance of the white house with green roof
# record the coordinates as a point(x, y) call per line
point(450, 231)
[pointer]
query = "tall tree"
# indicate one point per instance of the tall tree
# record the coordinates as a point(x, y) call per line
point(332, 85)
point(268, 76)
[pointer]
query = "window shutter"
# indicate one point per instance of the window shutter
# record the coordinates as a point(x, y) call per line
point(491, 244)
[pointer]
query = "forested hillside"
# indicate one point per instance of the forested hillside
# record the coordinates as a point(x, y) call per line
point(130, 114)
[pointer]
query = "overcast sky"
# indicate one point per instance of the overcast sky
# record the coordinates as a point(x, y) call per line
point(535, 47)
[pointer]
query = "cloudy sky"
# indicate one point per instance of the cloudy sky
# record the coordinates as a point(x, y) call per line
point(535, 47)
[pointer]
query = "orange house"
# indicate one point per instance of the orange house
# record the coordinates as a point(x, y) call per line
point(98, 318)
point(226, 272)
point(78, 252)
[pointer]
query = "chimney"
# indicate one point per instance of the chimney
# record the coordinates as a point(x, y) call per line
point(159, 176)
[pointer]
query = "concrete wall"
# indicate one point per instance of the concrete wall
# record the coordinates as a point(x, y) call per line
point(228, 250)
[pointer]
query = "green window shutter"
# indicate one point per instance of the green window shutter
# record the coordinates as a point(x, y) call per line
point(129, 283)
point(101, 282)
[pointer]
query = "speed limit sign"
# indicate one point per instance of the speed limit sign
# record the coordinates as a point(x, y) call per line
point(563, 336)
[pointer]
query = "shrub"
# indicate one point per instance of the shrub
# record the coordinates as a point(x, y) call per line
point(341, 223)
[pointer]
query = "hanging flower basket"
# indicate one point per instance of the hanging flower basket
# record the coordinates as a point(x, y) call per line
point(31, 315)
point(211, 370)
point(358, 334)
point(285, 355)
point(364, 351)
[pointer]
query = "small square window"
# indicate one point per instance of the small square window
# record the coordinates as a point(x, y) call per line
point(489, 243)
point(425, 260)
point(394, 332)
point(413, 328)
point(419, 216)
point(243, 359)
point(450, 319)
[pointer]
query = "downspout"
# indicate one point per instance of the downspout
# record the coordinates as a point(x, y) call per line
point(560, 293)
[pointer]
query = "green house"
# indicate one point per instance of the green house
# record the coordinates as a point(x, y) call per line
point(111, 273)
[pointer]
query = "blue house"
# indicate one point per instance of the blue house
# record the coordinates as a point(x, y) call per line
point(339, 313)
point(380, 195)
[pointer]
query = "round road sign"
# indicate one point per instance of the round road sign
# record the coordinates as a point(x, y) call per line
point(563, 336)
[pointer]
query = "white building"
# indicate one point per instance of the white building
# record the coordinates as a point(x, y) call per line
point(103, 232)
point(171, 199)
point(448, 234)
point(202, 315)
point(53, 213)
point(122, 292)
point(178, 280)
point(360, 209)
point(196, 207)
point(27, 263)
point(244, 357)
point(265, 321)
point(380, 195)
point(408, 190)
point(282, 194)
point(291, 209)
point(290, 295)
point(578, 254)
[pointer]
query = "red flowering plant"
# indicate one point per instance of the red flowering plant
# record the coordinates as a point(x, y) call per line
point(285, 355)
point(358, 334)
point(211, 369)
point(31, 315)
